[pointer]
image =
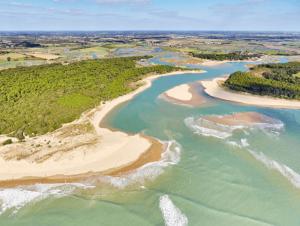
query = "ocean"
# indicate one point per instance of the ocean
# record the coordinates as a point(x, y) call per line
point(208, 177)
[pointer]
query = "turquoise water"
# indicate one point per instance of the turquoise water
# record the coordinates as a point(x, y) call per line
point(207, 180)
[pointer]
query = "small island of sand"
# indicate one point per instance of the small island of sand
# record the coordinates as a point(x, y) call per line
point(223, 126)
point(215, 89)
point(185, 94)
point(239, 119)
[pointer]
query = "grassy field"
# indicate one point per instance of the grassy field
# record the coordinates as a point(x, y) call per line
point(40, 99)
point(12, 56)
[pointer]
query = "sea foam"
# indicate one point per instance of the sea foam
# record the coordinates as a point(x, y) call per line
point(148, 172)
point(284, 170)
point(208, 128)
point(171, 214)
point(198, 128)
point(271, 127)
point(15, 198)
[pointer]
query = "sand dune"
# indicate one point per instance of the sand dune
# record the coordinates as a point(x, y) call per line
point(79, 149)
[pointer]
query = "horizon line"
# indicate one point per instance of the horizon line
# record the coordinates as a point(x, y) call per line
point(150, 30)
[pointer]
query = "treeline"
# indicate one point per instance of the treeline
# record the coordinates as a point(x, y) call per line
point(278, 80)
point(225, 56)
point(39, 99)
point(281, 72)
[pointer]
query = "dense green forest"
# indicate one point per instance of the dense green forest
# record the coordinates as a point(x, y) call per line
point(225, 56)
point(278, 80)
point(40, 99)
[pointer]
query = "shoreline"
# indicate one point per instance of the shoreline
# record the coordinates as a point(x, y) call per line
point(213, 89)
point(102, 153)
point(153, 154)
point(211, 63)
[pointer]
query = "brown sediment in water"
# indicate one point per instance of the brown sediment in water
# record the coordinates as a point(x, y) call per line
point(237, 119)
point(153, 154)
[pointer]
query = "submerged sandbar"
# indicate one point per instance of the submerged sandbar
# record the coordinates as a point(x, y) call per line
point(239, 119)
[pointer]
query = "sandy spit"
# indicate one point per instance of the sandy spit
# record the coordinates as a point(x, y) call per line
point(80, 149)
point(215, 89)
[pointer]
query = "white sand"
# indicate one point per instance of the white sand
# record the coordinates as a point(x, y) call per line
point(181, 93)
point(98, 150)
point(211, 63)
point(213, 89)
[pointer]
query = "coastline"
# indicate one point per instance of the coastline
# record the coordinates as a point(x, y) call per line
point(211, 63)
point(213, 89)
point(99, 151)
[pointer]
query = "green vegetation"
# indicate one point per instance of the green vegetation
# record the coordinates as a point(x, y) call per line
point(7, 142)
point(38, 99)
point(297, 75)
point(277, 80)
point(225, 56)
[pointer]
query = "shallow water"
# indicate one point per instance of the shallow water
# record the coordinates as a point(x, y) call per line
point(248, 178)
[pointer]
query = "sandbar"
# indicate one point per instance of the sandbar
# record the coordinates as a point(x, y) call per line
point(239, 119)
point(185, 94)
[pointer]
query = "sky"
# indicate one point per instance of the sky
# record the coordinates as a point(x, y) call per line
point(248, 15)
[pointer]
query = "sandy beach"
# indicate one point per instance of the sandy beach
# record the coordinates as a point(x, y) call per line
point(81, 148)
point(185, 94)
point(214, 89)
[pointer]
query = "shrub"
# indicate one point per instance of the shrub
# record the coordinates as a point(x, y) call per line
point(8, 141)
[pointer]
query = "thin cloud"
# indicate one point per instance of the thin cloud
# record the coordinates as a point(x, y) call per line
point(122, 1)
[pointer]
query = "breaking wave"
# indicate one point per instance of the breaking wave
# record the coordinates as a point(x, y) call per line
point(13, 199)
point(284, 170)
point(271, 127)
point(171, 214)
point(240, 144)
point(147, 172)
point(197, 126)
point(208, 128)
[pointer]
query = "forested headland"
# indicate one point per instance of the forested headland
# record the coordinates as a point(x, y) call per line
point(39, 99)
point(278, 80)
